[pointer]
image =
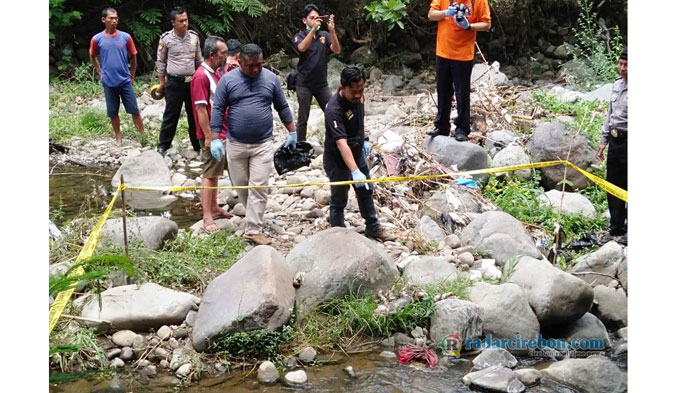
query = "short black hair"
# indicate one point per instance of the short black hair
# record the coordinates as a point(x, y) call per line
point(106, 11)
point(309, 8)
point(233, 47)
point(251, 50)
point(352, 74)
point(624, 53)
point(210, 45)
point(178, 10)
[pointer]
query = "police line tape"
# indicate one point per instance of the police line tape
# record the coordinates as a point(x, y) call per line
point(62, 299)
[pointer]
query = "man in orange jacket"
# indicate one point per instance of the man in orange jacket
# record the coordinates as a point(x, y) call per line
point(454, 58)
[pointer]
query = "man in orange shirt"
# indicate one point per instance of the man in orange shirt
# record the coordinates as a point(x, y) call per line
point(454, 58)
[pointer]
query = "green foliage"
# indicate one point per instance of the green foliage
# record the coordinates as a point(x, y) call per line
point(85, 123)
point(146, 27)
point(59, 17)
point(96, 269)
point(509, 269)
point(389, 12)
point(459, 287)
point(597, 49)
point(257, 344)
point(582, 113)
point(74, 349)
point(222, 21)
point(253, 8)
point(518, 198)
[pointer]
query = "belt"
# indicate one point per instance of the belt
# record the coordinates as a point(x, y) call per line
point(618, 134)
point(177, 78)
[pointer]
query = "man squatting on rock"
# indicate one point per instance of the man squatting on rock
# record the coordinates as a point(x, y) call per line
point(454, 60)
point(178, 57)
point(615, 134)
point(246, 94)
point(346, 151)
point(314, 47)
point(116, 48)
point(203, 85)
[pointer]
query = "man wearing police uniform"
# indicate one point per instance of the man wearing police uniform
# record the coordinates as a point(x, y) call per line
point(615, 134)
point(178, 57)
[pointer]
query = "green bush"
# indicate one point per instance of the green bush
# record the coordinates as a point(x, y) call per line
point(389, 12)
point(590, 127)
point(596, 50)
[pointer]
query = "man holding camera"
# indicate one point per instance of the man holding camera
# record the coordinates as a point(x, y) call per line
point(454, 58)
point(314, 47)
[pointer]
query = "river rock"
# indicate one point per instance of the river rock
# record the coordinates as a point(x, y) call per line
point(113, 353)
point(588, 327)
point(465, 155)
point(153, 231)
point(140, 307)
point(528, 376)
point(334, 261)
point(53, 231)
point(363, 55)
point(117, 363)
point(602, 93)
point(551, 141)
point(572, 202)
point(499, 139)
point(456, 316)
point(494, 357)
point(238, 300)
point(183, 371)
point(391, 84)
point(307, 355)
point(147, 169)
point(427, 270)
point(452, 200)
point(622, 273)
point(512, 155)
point(506, 312)
point(153, 110)
point(452, 241)
point(164, 332)
point(499, 235)
point(411, 58)
point(315, 122)
point(430, 230)
point(180, 356)
point(298, 377)
point(483, 73)
point(495, 379)
point(375, 74)
point(555, 296)
point(127, 354)
point(595, 374)
point(606, 260)
point(611, 307)
point(268, 373)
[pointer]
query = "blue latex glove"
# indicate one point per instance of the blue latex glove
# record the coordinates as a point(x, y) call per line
point(462, 181)
point(451, 10)
point(357, 175)
point(366, 149)
point(464, 24)
point(291, 141)
point(217, 149)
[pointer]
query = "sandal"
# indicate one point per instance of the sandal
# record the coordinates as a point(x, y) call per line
point(210, 227)
point(223, 214)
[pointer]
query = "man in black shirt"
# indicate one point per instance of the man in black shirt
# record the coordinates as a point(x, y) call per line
point(345, 151)
point(314, 47)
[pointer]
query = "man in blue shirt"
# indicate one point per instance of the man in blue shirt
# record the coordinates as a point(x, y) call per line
point(115, 48)
point(246, 93)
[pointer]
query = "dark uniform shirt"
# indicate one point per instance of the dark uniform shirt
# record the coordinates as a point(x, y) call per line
point(178, 56)
point(311, 69)
point(617, 116)
point(343, 120)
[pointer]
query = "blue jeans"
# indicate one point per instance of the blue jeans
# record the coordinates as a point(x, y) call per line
point(114, 96)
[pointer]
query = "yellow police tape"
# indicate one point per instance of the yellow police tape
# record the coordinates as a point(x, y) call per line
point(59, 305)
point(62, 299)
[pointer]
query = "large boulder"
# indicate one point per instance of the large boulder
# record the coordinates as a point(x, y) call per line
point(588, 328)
point(482, 73)
point(456, 316)
point(315, 122)
point(595, 374)
point(494, 379)
point(494, 357)
point(429, 230)
point(605, 261)
point(611, 307)
point(426, 270)
point(499, 139)
point(464, 155)
point(512, 155)
point(363, 55)
point(153, 231)
point(499, 235)
point(572, 202)
point(391, 84)
point(556, 297)
point(147, 169)
point(335, 261)
point(506, 312)
point(550, 142)
point(140, 307)
point(255, 293)
point(457, 200)
point(602, 93)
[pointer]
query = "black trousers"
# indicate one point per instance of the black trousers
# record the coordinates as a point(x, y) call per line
point(304, 103)
point(617, 174)
point(339, 194)
point(449, 73)
point(177, 93)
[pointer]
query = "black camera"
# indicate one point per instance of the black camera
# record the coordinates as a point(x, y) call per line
point(462, 11)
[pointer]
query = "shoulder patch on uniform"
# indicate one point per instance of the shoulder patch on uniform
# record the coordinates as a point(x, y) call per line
point(193, 31)
point(161, 45)
point(165, 33)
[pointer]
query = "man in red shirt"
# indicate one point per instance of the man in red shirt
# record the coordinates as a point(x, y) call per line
point(457, 24)
point(116, 48)
point(203, 86)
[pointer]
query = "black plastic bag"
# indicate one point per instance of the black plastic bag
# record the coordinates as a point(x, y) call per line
point(291, 80)
point(285, 159)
